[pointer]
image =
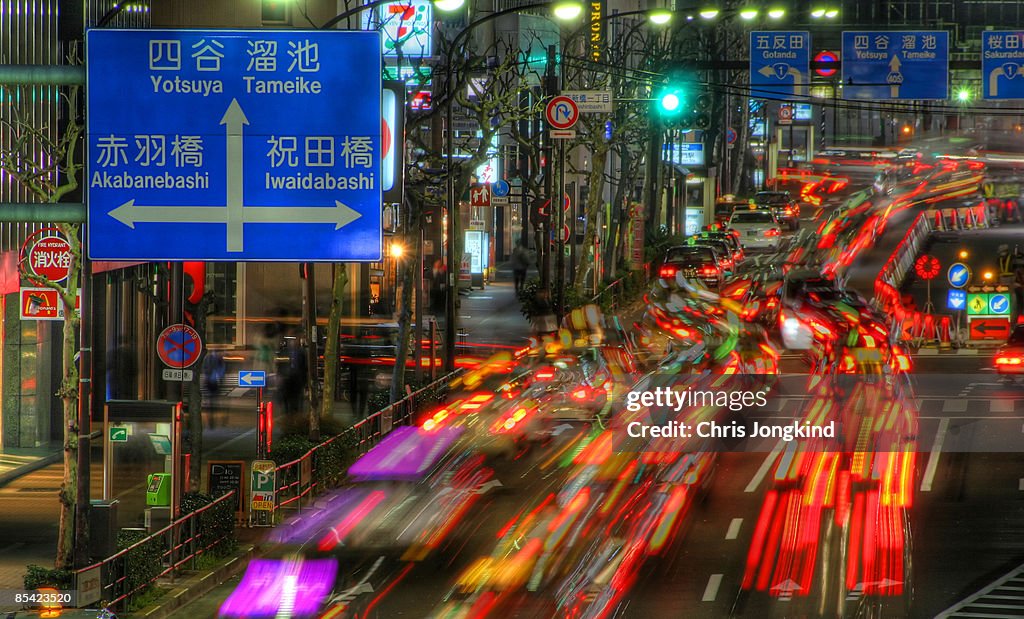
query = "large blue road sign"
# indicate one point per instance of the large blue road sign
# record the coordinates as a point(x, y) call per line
point(1002, 64)
point(779, 63)
point(234, 145)
point(896, 65)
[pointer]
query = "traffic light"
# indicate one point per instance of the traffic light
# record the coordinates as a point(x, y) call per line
point(685, 102)
point(671, 101)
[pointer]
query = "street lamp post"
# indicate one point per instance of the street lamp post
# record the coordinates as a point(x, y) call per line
point(453, 261)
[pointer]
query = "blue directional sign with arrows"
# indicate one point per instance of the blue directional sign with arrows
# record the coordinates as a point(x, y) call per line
point(1002, 64)
point(779, 63)
point(959, 274)
point(234, 145)
point(896, 65)
point(252, 378)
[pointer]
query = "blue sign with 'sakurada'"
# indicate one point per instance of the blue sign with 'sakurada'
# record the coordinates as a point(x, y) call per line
point(240, 145)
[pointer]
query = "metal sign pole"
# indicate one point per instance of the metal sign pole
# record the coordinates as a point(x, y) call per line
point(261, 429)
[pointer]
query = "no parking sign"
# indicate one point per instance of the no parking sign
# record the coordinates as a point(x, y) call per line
point(179, 346)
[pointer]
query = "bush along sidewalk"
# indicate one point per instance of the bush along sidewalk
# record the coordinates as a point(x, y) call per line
point(622, 291)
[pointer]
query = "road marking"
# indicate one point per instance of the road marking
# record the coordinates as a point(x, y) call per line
point(711, 591)
point(765, 466)
point(1001, 406)
point(734, 528)
point(933, 458)
point(954, 406)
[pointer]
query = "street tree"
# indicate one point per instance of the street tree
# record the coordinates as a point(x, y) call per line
point(629, 70)
point(46, 161)
point(488, 91)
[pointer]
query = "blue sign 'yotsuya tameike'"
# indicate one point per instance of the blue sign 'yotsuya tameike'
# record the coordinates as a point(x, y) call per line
point(234, 145)
point(896, 65)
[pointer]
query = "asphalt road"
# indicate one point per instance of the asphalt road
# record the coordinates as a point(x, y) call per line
point(963, 530)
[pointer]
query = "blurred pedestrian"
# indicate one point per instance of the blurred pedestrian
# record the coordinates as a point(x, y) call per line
point(293, 384)
point(214, 369)
point(520, 264)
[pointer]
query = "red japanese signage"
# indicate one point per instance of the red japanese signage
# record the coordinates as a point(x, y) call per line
point(48, 257)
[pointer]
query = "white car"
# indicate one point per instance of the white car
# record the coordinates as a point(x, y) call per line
point(757, 229)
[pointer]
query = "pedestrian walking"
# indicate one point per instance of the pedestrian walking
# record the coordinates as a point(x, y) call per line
point(520, 264)
point(214, 368)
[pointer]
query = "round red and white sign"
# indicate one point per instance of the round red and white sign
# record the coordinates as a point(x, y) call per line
point(179, 346)
point(50, 257)
point(562, 113)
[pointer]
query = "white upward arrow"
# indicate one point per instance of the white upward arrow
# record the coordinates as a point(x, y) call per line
point(234, 118)
point(234, 213)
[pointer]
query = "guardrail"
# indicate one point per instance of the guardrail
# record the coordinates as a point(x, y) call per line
point(301, 479)
point(122, 575)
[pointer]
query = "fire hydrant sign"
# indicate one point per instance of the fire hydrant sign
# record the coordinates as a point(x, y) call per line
point(49, 257)
point(234, 145)
point(43, 304)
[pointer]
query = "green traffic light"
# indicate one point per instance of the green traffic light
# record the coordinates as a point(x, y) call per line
point(670, 102)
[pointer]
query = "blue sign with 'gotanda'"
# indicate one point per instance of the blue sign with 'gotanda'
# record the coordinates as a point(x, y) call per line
point(234, 145)
point(779, 63)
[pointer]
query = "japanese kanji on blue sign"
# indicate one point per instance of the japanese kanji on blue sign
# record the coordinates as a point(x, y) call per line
point(1002, 64)
point(896, 65)
point(956, 299)
point(234, 145)
point(779, 63)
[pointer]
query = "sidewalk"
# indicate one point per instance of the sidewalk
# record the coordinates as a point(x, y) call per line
point(491, 315)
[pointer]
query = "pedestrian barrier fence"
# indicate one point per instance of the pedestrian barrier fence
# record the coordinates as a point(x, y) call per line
point(178, 545)
point(301, 479)
point(186, 539)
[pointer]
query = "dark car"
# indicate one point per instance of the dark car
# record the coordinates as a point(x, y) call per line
point(722, 248)
point(1009, 357)
point(731, 239)
point(694, 262)
point(786, 209)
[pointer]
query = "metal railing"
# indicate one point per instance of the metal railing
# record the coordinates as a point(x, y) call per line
point(301, 479)
point(122, 575)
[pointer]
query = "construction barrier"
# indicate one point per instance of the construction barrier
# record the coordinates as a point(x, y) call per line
point(910, 324)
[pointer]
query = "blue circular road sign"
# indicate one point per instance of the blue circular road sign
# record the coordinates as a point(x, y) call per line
point(959, 274)
point(500, 189)
point(999, 304)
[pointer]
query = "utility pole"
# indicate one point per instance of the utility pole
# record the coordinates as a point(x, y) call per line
point(550, 89)
point(309, 334)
